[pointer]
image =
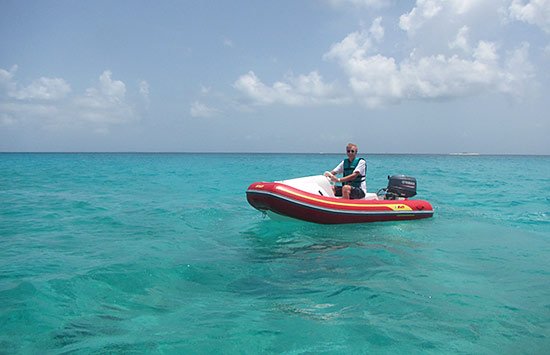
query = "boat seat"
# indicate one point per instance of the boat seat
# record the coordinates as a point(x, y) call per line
point(317, 184)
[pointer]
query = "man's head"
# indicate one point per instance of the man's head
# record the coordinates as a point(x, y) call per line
point(351, 150)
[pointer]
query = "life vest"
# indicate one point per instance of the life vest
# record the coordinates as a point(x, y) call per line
point(349, 167)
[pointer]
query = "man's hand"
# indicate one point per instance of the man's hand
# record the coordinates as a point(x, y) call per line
point(331, 176)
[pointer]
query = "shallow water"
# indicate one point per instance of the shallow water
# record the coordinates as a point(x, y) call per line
point(162, 253)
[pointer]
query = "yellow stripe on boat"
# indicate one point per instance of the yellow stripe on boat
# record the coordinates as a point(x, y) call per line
point(392, 206)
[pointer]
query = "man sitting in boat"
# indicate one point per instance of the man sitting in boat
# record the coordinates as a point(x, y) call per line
point(354, 169)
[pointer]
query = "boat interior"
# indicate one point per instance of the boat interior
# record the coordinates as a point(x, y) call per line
point(319, 185)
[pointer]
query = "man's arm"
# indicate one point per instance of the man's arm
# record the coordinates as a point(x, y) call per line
point(350, 177)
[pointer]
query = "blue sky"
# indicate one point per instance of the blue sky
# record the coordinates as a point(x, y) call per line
point(427, 76)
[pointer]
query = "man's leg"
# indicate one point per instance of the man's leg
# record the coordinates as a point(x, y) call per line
point(346, 190)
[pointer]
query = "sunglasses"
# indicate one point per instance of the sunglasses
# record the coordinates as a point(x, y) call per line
point(351, 151)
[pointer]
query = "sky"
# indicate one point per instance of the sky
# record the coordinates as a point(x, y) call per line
point(425, 76)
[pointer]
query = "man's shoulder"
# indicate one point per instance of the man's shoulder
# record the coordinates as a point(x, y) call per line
point(361, 164)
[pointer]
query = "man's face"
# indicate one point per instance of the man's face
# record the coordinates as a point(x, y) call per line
point(351, 151)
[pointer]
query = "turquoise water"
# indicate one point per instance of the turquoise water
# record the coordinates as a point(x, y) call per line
point(160, 253)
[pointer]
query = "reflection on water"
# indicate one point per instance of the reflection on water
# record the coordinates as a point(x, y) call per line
point(273, 239)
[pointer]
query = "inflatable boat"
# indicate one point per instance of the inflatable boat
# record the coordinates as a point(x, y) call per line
point(312, 199)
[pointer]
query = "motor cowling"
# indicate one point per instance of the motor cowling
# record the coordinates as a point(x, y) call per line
point(400, 186)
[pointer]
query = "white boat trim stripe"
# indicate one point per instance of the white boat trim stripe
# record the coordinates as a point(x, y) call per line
point(337, 211)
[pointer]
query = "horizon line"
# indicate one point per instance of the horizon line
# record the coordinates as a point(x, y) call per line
point(458, 154)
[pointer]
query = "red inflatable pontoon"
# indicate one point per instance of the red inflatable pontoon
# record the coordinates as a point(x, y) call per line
point(318, 206)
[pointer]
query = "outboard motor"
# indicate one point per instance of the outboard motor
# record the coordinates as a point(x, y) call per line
point(400, 186)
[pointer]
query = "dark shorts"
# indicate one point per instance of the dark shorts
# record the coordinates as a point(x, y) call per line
point(356, 192)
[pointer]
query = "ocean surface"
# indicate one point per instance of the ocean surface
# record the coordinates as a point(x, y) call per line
point(161, 253)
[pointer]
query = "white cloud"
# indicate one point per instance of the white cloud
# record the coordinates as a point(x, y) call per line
point(144, 92)
point(113, 90)
point(534, 12)
point(144, 89)
point(6, 79)
point(101, 105)
point(376, 30)
point(448, 60)
point(199, 109)
point(519, 71)
point(423, 11)
point(461, 40)
point(446, 12)
point(41, 89)
point(378, 80)
point(461, 7)
point(295, 91)
point(17, 110)
point(356, 44)
point(105, 103)
point(486, 52)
